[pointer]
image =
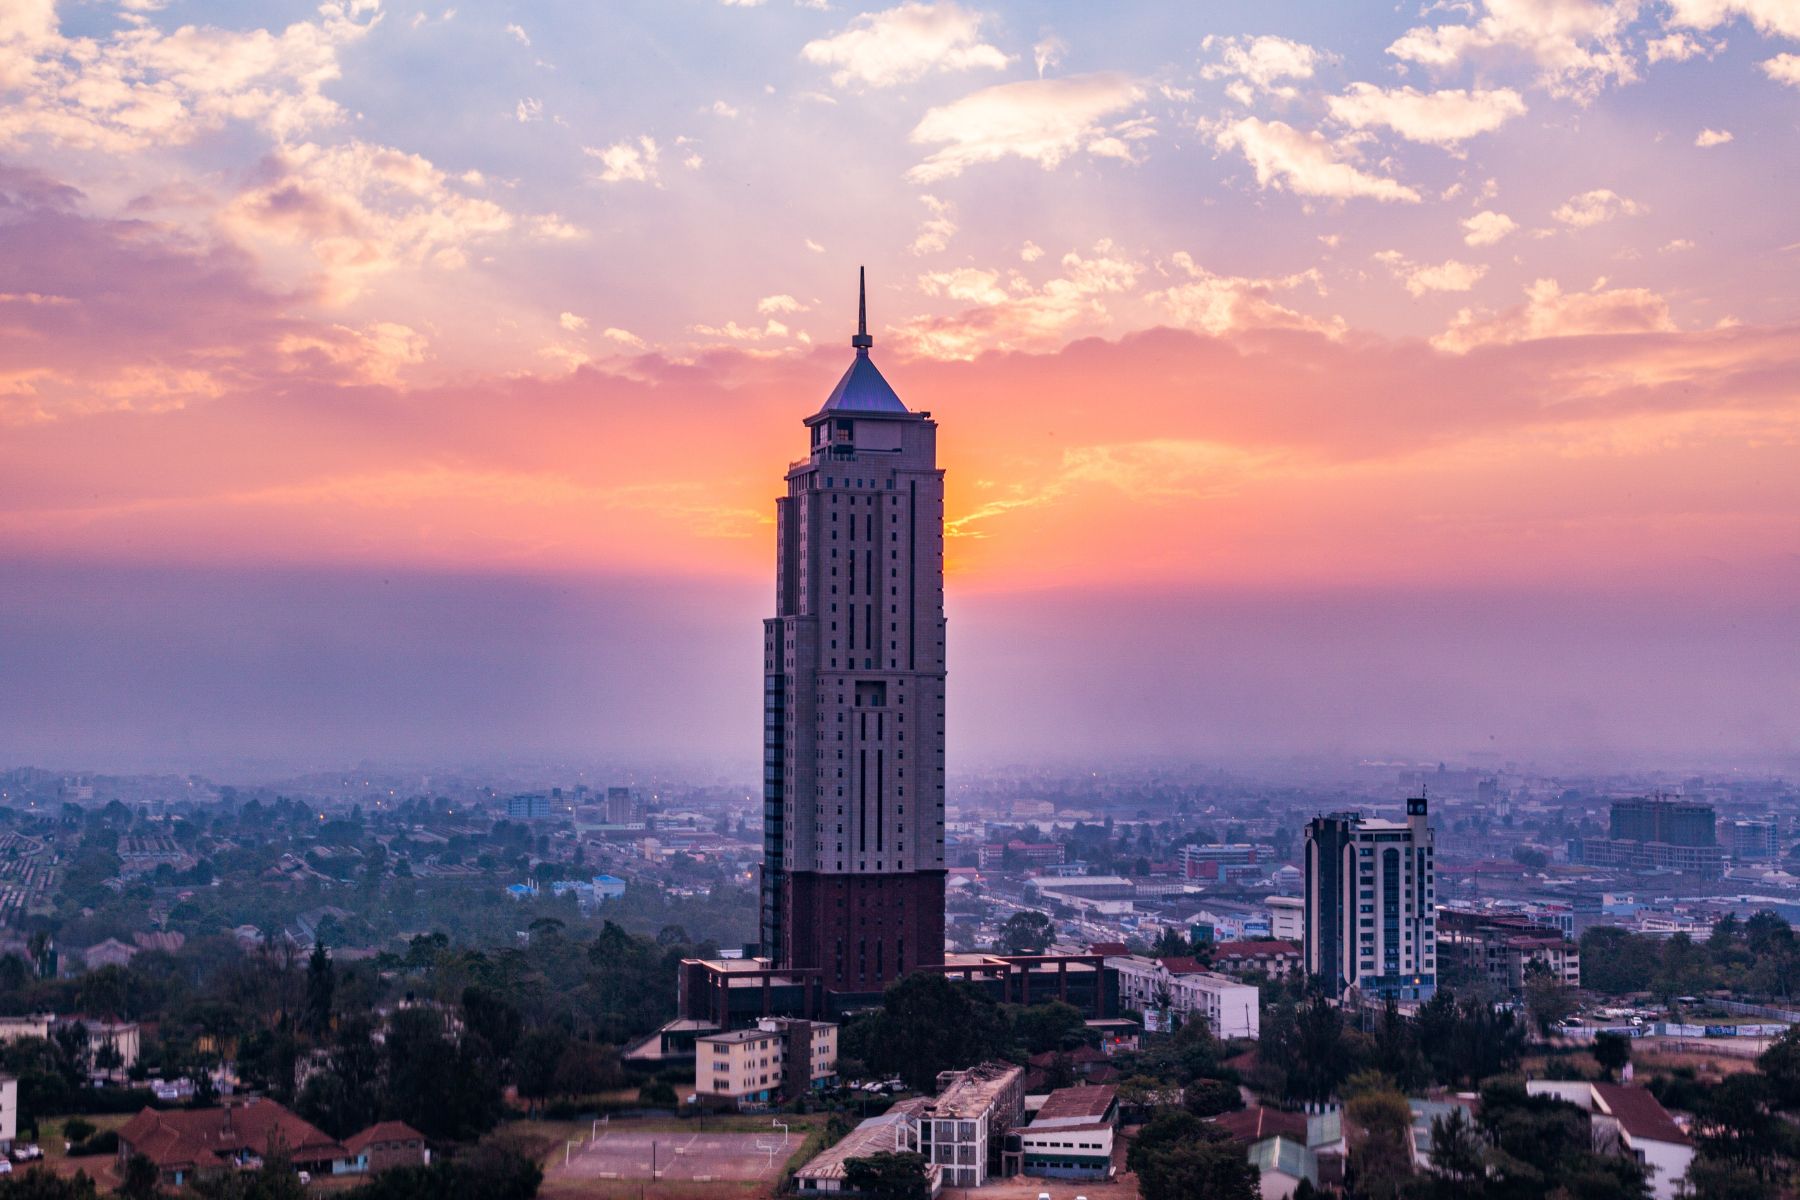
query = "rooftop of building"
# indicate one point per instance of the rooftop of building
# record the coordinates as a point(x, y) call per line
point(1077, 1104)
point(862, 388)
point(736, 1036)
point(1639, 1113)
point(974, 1091)
point(1253, 949)
point(1258, 1122)
point(386, 1131)
point(870, 1137)
point(203, 1137)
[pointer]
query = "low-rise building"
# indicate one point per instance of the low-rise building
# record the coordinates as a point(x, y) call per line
point(1275, 959)
point(1286, 1147)
point(1630, 1121)
point(894, 1132)
point(1071, 1136)
point(1179, 989)
point(962, 1129)
point(190, 1144)
point(387, 1145)
point(778, 1058)
point(1503, 948)
point(36, 1025)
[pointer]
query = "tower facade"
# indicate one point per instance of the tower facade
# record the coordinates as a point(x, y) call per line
point(853, 693)
point(1371, 904)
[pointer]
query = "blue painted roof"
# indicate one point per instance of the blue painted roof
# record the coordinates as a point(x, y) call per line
point(862, 389)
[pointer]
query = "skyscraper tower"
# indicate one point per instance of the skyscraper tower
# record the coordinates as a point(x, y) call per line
point(853, 693)
point(1371, 904)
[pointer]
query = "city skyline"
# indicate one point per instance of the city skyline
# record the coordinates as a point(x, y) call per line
point(1321, 381)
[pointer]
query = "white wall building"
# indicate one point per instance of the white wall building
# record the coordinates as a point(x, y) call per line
point(1371, 901)
point(1287, 918)
point(961, 1130)
point(1629, 1120)
point(1181, 988)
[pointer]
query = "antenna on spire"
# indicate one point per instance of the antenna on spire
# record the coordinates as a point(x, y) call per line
point(862, 341)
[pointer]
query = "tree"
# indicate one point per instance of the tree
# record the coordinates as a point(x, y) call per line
point(494, 1170)
point(1615, 961)
point(1210, 1097)
point(1547, 998)
point(1171, 944)
point(891, 1176)
point(1177, 1156)
point(142, 1179)
point(927, 1024)
point(1026, 932)
point(1045, 1027)
point(1715, 1179)
point(321, 983)
point(1612, 1051)
point(1455, 1147)
point(445, 1088)
point(1380, 1137)
point(41, 1183)
point(1780, 1065)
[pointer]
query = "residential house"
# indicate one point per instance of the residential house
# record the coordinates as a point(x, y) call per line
point(1629, 1120)
point(386, 1145)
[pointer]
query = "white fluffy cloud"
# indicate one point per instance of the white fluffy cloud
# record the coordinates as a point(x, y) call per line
point(1777, 17)
point(1040, 120)
point(1306, 163)
point(627, 161)
point(1221, 304)
point(342, 215)
point(1708, 138)
point(1447, 276)
point(1783, 68)
point(1262, 62)
point(1596, 207)
point(1486, 227)
point(903, 44)
point(1579, 45)
point(937, 229)
point(1437, 118)
point(572, 323)
point(139, 87)
point(1550, 312)
point(779, 304)
point(1010, 313)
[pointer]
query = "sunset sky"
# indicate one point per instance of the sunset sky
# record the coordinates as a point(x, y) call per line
point(415, 382)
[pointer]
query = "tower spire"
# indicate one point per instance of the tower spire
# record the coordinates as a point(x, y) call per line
point(862, 341)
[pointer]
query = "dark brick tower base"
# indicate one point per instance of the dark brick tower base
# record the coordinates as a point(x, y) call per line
point(863, 931)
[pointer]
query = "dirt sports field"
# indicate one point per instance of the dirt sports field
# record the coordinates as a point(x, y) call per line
point(679, 1157)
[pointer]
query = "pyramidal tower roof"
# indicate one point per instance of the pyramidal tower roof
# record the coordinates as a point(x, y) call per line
point(862, 389)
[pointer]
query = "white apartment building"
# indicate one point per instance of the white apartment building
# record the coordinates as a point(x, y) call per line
point(1180, 988)
point(1371, 900)
point(779, 1058)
